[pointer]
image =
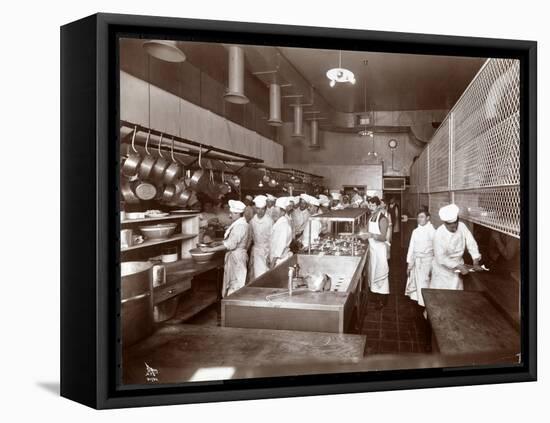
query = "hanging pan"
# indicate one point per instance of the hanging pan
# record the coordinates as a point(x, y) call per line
point(146, 166)
point(174, 169)
point(161, 164)
point(131, 164)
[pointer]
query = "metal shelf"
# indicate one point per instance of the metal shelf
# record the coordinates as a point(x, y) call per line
point(149, 243)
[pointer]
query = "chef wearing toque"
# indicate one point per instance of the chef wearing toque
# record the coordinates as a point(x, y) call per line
point(235, 242)
point(281, 235)
point(261, 226)
point(451, 239)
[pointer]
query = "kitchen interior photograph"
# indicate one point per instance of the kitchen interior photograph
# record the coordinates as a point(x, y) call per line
point(289, 211)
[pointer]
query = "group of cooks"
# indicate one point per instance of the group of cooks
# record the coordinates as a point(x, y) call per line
point(263, 231)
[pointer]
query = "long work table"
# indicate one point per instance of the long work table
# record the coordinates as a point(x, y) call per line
point(183, 353)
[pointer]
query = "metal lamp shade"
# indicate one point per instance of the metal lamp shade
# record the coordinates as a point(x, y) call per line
point(164, 50)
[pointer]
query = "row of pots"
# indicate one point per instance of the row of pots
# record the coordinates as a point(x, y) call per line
point(155, 178)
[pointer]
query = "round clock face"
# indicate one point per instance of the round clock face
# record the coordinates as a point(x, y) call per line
point(392, 143)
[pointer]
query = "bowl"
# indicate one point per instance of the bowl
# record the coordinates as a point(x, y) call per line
point(160, 231)
point(135, 215)
point(201, 257)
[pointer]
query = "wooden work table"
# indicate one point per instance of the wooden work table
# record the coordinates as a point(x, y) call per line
point(184, 353)
point(468, 322)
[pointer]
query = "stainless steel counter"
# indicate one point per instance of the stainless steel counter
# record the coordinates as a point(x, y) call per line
point(266, 304)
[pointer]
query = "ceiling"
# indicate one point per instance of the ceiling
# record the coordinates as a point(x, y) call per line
point(393, 81)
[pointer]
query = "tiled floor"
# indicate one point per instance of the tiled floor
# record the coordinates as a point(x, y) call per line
point(399, 327)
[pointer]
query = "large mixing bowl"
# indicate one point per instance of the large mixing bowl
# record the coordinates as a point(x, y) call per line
point(200, 256)
point(160, 231)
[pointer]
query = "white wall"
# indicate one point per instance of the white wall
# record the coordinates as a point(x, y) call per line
point(148, 105)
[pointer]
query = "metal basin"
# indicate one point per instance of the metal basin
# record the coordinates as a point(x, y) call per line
point(266, 302)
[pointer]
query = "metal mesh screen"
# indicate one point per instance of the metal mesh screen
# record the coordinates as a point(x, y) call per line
point(476, 151)
point(486, 128)
point(422, 172)
point(439, 159)
point(495, 208)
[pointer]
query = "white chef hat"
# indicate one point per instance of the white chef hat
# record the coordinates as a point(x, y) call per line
point(304, 196)
point(271, 197)
point(260, 201)
point(324, 200)
point(313, 201)
point(282, 202)
point(249, 197)
point(336, 195)
point(236, 206)
point(449, 213)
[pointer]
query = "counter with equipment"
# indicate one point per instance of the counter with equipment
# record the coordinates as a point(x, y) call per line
point(340, 238)
point(305, 292)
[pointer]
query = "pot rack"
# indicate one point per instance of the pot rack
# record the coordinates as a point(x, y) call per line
point(287, 172)
point(186, 147)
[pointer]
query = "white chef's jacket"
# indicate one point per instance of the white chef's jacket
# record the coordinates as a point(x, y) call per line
point(236, 241)
point(449, 249)
point(420, 261)
point(281, 237)
point(260, 230)
point(299, 219)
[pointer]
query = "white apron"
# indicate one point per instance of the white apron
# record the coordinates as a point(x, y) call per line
point(420, 255)
point(281, 237)
point(261, 237)
point(448, 253)
point(378, 269)
point(236, 242)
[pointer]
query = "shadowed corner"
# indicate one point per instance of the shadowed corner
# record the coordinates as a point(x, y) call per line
point(51, 387)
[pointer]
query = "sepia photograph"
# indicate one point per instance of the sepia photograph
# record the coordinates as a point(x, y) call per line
point(298, 211)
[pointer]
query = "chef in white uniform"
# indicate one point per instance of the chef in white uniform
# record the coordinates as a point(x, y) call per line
point(281, 235)
point(378, 269)
point(451, 239)
point(235, 243)
point(316, 225)
point(420, 257)
point(300, 215)
point(261, 226)
point(324, 208)
point(270, 208)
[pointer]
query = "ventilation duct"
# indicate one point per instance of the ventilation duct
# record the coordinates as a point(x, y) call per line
point(275, 105)
point(235, 89)
point(314, 135)
point(298, 128)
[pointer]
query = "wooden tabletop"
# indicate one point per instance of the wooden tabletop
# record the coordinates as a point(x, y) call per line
point(187, 268)
point(190, 352)
point(467, 322)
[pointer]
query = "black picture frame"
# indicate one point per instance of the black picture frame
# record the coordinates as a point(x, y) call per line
point(90, 222)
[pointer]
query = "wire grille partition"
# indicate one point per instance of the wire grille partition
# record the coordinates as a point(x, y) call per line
point(473, 159)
